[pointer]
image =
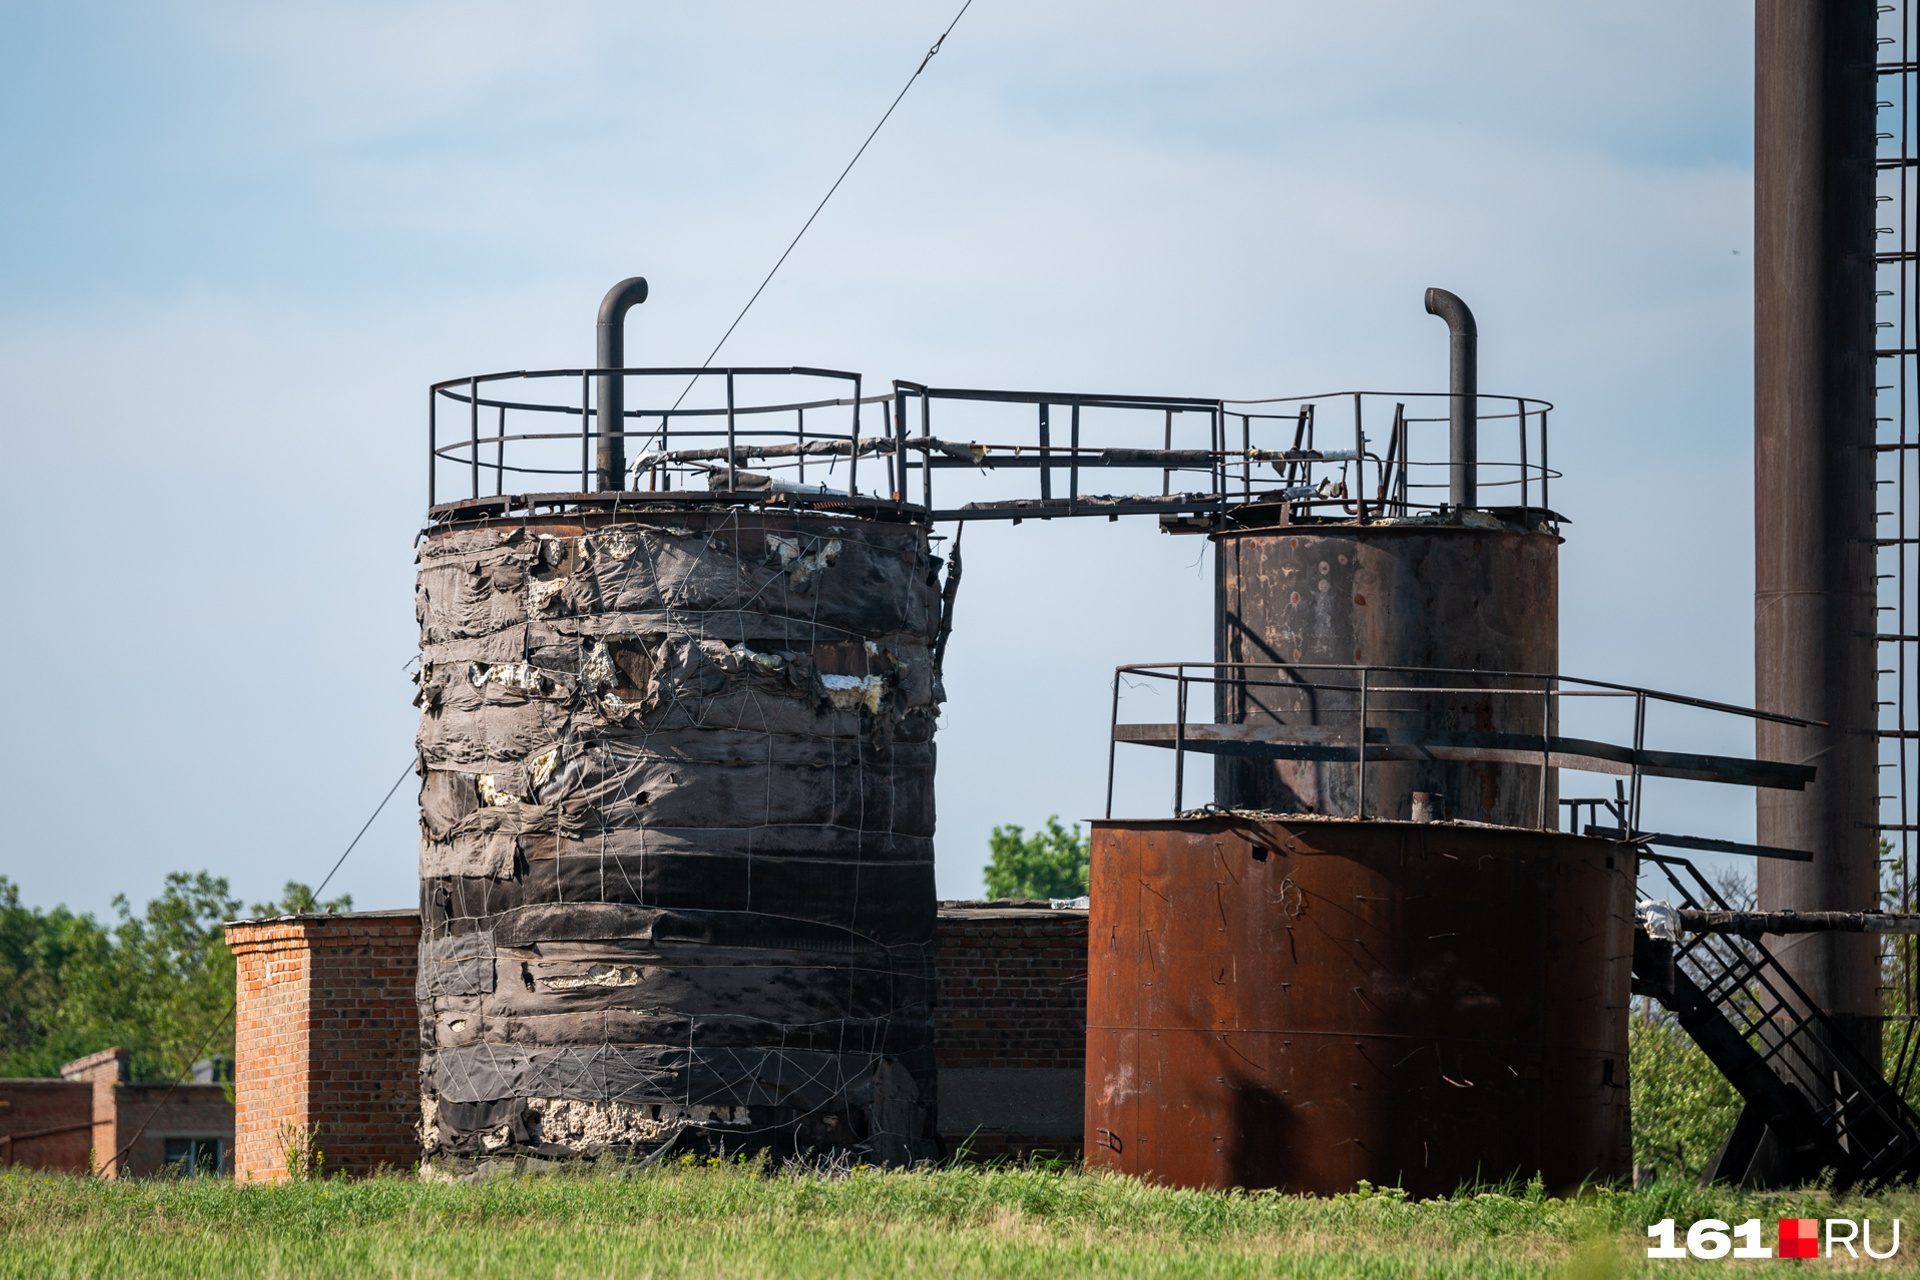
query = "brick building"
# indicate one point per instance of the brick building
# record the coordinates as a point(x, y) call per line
point(1010, 1027)
point(97, 1117)
point(326, 1041)
point(328, 1034)
point(46, 1124)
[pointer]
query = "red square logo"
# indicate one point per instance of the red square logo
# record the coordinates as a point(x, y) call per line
point(1799, 1237)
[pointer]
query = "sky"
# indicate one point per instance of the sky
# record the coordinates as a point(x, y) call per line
point(241, 240)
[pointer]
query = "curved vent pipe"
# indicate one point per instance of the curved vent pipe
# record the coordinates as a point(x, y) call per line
point(609, 352)
point(1463, 416)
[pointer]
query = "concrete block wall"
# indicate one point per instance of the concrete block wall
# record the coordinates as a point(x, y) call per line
point(1010, 1027)
point(327, 1034)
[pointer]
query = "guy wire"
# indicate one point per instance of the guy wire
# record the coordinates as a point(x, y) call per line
point(823, 199)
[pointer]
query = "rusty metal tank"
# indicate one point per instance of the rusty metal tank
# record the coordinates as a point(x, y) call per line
point(677, 816)
point(1473, 590)
point(1303, 1004)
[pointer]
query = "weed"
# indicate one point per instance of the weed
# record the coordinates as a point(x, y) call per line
point(300, 1151)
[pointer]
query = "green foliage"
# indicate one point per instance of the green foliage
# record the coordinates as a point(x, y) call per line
point(164, 979)
point(1683, 1108)
point(1048, 864)
point(159, 984)
point(1899, 980)
point(36, 950)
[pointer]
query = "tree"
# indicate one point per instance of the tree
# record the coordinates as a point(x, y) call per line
point(160, 984)
point(1048, 864)
point(36, 948)
point(299, 900)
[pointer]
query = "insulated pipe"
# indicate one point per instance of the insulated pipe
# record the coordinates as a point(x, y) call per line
point(1463, 413)
point(1758, 924)
point(609, 352)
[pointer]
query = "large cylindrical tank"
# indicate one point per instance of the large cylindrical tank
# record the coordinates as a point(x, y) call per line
point(1474, 592)
point(1304, 1004)
point(677, 813)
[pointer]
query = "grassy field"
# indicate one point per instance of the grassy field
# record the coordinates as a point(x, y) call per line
point(726, 1221)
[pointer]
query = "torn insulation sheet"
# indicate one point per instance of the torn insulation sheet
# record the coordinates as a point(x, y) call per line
point(676, 837)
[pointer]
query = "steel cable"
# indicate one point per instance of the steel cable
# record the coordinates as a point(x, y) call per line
point(823, 199)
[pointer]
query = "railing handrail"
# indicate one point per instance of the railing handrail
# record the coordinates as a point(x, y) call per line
point(1157, 670)
point(1533, 401)
point(467, 451)
point(1065, 399)
point(1362, 468)
point(1326, 740)
point(669, 371)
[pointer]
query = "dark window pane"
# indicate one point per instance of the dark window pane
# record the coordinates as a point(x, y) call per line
point(186, 1156)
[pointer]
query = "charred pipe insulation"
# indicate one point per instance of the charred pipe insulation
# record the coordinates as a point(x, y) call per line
point(1463, 416)
point(609, 352)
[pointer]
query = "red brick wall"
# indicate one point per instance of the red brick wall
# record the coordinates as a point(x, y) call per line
point(1010, 1024)
point(270, 1041)
point(102, 1073)
point(104, 1121)
point(34, 1106)
point(327, 1033)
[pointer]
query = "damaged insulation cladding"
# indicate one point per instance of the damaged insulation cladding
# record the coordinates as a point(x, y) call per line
point(677, 815)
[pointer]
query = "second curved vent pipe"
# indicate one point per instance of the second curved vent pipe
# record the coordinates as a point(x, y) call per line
point(609, 352)
point(1463, 415)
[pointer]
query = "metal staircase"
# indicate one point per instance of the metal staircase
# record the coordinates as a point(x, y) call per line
point(1814, 1104)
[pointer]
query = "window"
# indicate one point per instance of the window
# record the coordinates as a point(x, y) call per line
point(189, 1156)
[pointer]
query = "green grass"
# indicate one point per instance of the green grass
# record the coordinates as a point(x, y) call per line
point(951, 1222)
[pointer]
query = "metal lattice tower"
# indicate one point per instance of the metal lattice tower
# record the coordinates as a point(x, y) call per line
point(1897, 437)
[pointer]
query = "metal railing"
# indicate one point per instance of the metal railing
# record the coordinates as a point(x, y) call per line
point(1403, 485)
point(729, 431)
point(1366, 454)
point(495, 439)
point(1348, 719)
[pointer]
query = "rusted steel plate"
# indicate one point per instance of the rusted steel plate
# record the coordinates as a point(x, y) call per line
point(1306, 1004)
point(1415, 595)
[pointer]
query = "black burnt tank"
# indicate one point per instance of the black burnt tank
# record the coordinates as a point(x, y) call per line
point(677, 820)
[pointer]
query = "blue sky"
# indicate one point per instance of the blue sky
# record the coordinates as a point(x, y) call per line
point(241, 240)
